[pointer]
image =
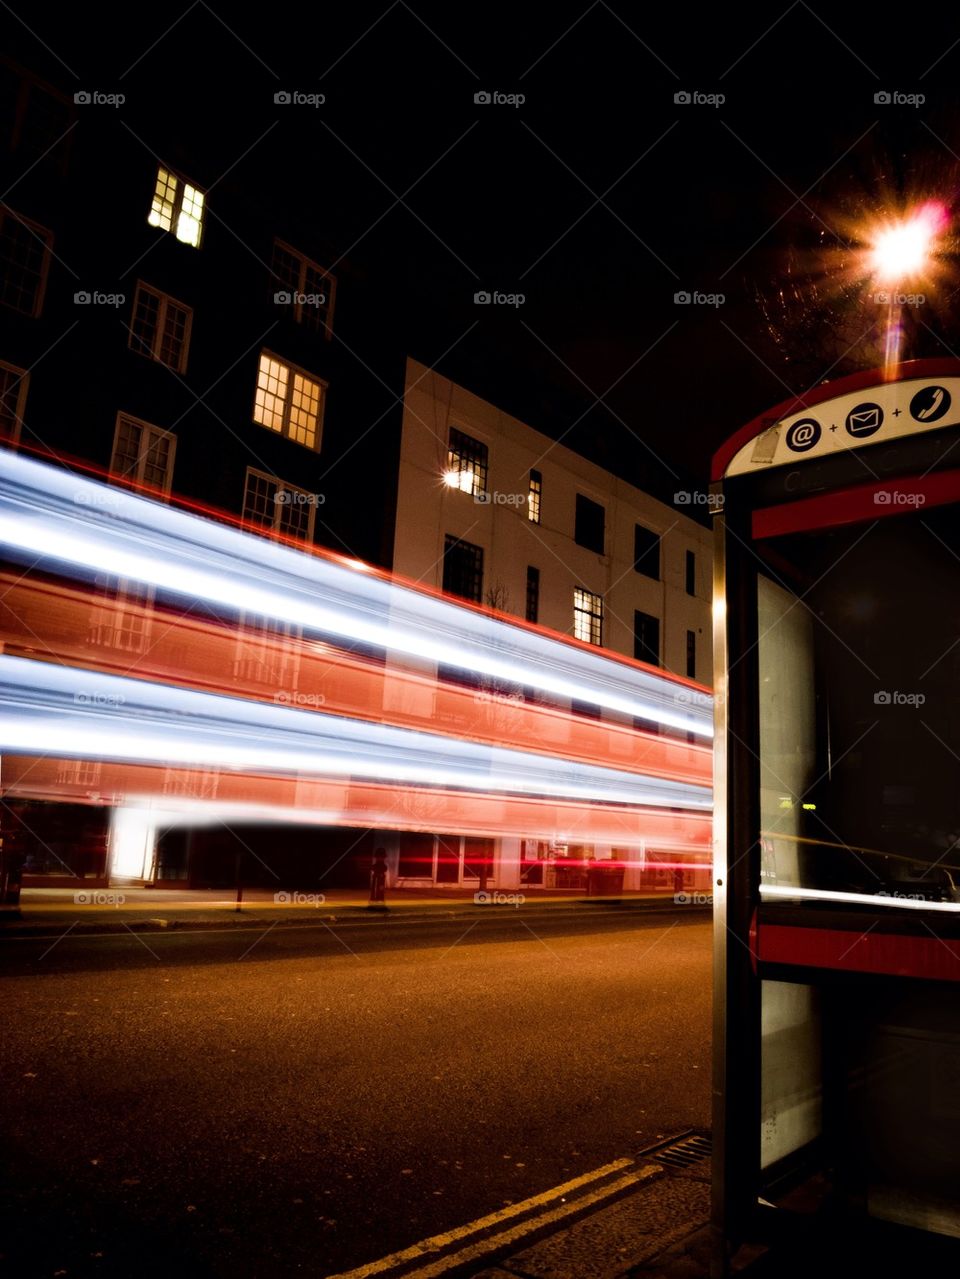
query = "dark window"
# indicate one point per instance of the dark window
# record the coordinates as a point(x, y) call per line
point(304, 287)
point(691, 654)
point(24, 255)
point(646, 638)
point(160, 327)
point(534, 496)
point(533, 593)
point(462, 568)
point(467, 463)
point(588, 530)
point(646, 552)
point(691, 573)
point(44, 123)
point(39, 119)
point(13, 391)
point(10, 87)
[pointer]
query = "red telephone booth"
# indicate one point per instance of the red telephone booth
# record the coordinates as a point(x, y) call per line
point(837, 810)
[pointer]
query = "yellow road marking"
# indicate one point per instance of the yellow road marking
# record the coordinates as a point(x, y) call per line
point(484, 1247)
point(436, 1242)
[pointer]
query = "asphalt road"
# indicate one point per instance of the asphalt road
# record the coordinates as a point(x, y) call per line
point(302, 1102)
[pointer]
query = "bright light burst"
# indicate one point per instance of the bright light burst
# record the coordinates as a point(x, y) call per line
point(870, 277)
point(904, 249)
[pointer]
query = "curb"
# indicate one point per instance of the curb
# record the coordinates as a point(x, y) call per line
point(12, 927)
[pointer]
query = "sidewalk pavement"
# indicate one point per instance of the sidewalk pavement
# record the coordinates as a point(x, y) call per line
point(124, 906)
point(659, 1231)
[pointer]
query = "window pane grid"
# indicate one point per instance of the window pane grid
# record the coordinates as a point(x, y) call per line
point(263, 656)
point(158, 328)
point(12, 389)
point(467, 463)
point(127, 452)
point(143, 453)
point(173, 339)
point(533, 497)
point(287, 401)
point(156, 461)
point(178, 207)
point(286, 268)
point(164, 198)
point(23, 251)
point(122, 627)
point(462, 568)
point(294, 515)
point(271, 393)
point(304, 408)
point(191, 213)
point(315, 284)
point(275, 505)
point(295, 273)
point(146, 318)
point(259, 500)
point(587, 616)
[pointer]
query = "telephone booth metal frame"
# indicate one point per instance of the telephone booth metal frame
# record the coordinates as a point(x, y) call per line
point(817, 467)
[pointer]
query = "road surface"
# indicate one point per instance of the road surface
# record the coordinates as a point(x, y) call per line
point(304, 1101)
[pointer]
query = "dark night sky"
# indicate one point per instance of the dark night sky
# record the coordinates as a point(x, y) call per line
point(598, 198)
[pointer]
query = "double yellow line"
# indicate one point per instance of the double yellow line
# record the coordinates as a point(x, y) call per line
point(614, 1175)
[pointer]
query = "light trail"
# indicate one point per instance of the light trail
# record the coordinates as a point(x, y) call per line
point(61, 522)
point(61, 711)
point(51, 620)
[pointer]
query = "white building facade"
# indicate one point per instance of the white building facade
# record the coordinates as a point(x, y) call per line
point(494, 511)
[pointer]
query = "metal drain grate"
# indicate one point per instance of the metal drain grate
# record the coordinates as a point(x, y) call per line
point(680, 1152)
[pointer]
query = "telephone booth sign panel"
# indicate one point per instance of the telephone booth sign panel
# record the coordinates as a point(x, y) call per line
point(837, 815)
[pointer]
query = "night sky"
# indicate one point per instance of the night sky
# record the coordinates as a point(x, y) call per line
point(598, 198)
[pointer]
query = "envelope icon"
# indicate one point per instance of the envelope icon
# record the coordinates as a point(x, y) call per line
point(862, 421)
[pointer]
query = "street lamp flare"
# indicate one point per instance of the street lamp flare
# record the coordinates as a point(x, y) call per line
point(902, 250)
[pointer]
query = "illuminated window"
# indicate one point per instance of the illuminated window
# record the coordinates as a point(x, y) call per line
point(310, 289)
point(274, 505)
point(13, 394)
point(24, 262)
point(466, 463)
point(587, 616)
point(178, 207)
point(533, 497)
point(143, 452)
point(288, 401)
point(533, 593)
point(646, 552)
point(160, 327)
point(462, 568)
point(588, 527)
